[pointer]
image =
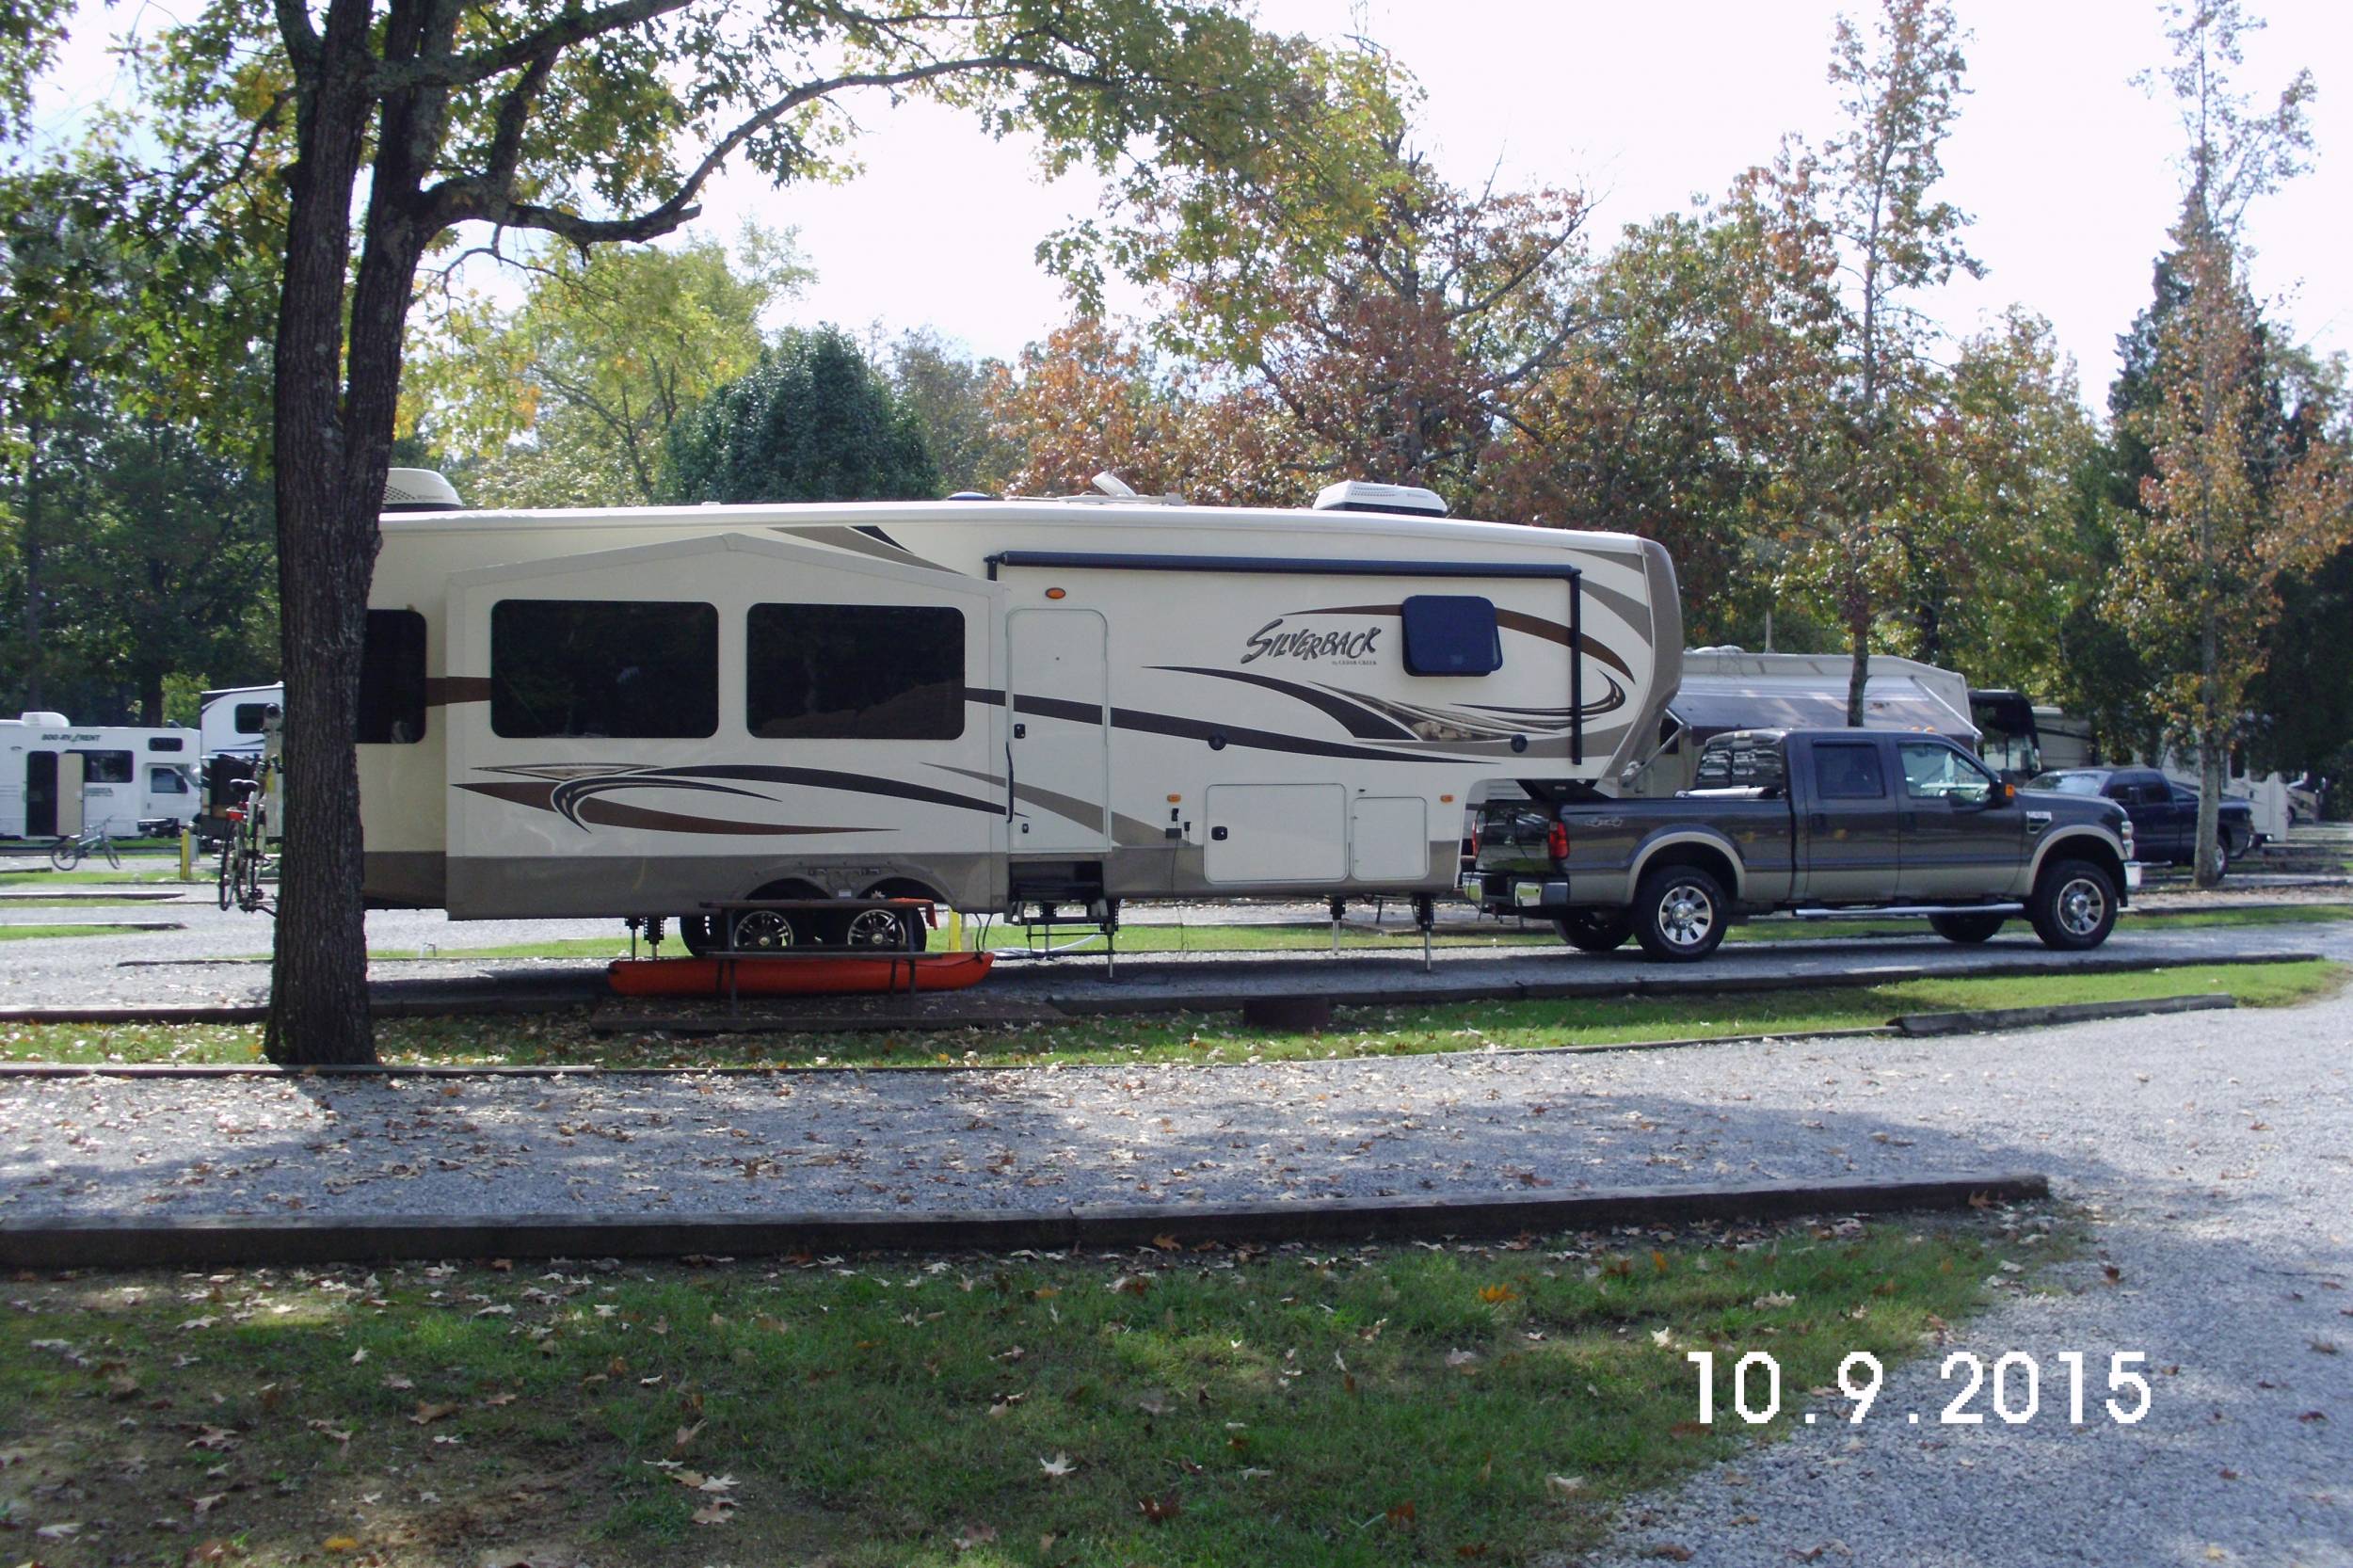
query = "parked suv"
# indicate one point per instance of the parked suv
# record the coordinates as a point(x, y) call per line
point(2164, 813)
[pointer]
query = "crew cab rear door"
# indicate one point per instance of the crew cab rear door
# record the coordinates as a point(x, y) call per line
point(1961, 838)
point(1848, 827)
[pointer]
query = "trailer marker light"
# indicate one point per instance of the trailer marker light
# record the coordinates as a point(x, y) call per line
point(1173, 799)
point(1053, 593)
point(1446, 800)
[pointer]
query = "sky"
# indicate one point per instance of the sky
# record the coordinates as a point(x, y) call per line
point(2067, 166)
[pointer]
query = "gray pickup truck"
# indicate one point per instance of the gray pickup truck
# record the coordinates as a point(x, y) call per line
point(1818, 823)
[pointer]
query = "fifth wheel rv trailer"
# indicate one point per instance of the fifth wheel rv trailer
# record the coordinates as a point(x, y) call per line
point(992, 703)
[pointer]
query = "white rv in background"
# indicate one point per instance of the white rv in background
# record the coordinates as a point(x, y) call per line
point(231, 718)
point(993, 703)
point(57, 778)
point(1725, 689)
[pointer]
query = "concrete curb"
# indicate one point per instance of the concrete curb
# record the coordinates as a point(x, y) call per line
point(537, 993)
point(1983, 1020)
point(226, 1241)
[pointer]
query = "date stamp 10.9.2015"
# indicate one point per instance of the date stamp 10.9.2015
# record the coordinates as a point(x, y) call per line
point(2013, 1389)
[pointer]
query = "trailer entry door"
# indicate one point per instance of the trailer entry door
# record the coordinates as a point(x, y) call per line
point(1059, 711)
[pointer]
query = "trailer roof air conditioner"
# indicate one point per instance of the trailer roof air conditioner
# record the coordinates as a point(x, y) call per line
point(1359, 495)
point(420, 489)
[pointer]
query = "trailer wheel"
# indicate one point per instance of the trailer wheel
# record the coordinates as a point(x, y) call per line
point(1594, 930)
point(763, 931)
point(1969, 929)
point(896, 930)
point(1680, 913)
point(2073, 906)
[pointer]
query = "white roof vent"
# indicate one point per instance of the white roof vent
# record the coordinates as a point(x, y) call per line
point(1360, 495)
point(45, 720)
point(420, 489)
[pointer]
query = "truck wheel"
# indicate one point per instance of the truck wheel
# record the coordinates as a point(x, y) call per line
point(2073, 906)
point(1965, 928)
point(2221, 855)
point(1594, 930)
point(1680, 914)
point(700, 934)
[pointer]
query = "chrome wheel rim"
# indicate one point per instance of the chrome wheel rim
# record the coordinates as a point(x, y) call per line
point(1686, 915)
point(763, 929)
point(875, 928)
point(2082, 904)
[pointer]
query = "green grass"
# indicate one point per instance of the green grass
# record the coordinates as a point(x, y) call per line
point(1370, 1407)
point(566, 1038)
point(31, 933)
point(1304, 937)
point(128, 875)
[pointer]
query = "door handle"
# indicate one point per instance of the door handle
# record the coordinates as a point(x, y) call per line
point(1020, 731)
point(1218, 833)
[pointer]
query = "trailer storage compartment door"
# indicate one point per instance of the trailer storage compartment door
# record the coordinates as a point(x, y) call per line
point(1388, 839)
point(1276, 833)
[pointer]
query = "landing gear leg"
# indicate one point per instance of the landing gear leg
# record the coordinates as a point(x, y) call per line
point(1110, 938)
point(1426, 917)
point(1339, 909)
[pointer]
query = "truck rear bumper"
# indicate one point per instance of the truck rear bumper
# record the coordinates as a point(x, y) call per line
point(1503, 893)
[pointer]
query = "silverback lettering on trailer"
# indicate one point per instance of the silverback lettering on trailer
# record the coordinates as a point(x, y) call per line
point(1269, 641)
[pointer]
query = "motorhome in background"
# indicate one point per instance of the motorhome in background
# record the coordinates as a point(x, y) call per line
point(57, 778)
point(2023, 740)
point(231, 718)
point(1727, 689)
point(995, 703)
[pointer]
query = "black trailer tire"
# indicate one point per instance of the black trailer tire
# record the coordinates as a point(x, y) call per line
point(1970, 929)
point(1680, 914)
point(1594, 930)
point(2073, 906)
point(888, 929)
point(700, 933)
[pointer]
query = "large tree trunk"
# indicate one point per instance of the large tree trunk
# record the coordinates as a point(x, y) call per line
point(325, 554)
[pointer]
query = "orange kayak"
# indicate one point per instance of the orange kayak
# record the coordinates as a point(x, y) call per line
point(848, 974)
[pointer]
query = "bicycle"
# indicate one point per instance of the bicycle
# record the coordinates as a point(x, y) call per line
point(245, 857)
point(66, 854)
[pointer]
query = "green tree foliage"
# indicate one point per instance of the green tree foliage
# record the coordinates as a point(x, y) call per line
point(568, 398)
point(947, 395)
point(813, 421)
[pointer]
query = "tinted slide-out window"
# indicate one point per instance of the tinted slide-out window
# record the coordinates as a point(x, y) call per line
point(391, 679)
point(1843, 770)
point(1450, 634)
point(247, 717)
point(869, 672)
point(617, 669)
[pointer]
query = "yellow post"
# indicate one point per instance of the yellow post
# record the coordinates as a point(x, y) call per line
point(955, 931)
point(187, 853)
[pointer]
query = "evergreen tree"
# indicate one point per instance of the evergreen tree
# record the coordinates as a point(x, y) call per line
point(813, 421)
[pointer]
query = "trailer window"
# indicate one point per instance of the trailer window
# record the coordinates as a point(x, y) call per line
point(1450, 634)
point(866, 672)
point(249, 717)
point(391, 679)
point(167, 742)
point(605, 669)
point(105, 767)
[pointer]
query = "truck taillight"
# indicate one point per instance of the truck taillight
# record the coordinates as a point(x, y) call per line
point(1474, 841)
point(1557, 841)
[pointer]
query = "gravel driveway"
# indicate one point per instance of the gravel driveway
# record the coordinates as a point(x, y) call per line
point(2215, 1149)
